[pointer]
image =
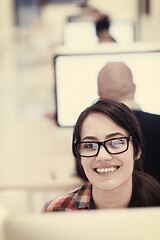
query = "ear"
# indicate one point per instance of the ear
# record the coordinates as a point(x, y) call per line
point(99, 93)
point(139, 155)
point(134, 87)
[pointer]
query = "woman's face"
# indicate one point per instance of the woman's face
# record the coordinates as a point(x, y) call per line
point(106, 171)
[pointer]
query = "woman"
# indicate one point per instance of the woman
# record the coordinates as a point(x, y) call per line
point(107, 142)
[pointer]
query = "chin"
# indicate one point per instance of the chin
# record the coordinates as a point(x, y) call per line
point(108, 186)
point(105, 185)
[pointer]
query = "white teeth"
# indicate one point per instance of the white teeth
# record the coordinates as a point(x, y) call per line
point(105, 170)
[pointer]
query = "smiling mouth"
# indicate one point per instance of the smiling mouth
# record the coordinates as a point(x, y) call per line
point(106, 170)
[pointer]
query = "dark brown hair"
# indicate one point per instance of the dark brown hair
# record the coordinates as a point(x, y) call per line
point(145, 191)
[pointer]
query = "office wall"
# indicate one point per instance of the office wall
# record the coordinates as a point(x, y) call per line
point(123, 9)
point(6, 14)
point(150, 23)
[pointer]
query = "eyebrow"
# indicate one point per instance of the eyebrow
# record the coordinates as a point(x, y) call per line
point(112, 135)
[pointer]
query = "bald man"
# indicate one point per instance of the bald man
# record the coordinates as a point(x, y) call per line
point(115, 81)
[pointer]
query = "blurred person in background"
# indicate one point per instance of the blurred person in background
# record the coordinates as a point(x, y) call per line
point(102, 26)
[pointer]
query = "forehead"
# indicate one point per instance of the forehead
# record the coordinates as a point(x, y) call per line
point(100, 125)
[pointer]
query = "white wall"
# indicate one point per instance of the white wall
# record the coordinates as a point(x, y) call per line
point(6, 19)
point(150, 24)
point(117, 9)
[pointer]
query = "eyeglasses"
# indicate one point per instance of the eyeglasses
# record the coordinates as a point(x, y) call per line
point(112, 146)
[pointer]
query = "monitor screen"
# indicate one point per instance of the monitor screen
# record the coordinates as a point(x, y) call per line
point(79, 33)
point(123, 31)
point(113, 224)
point(76, 80)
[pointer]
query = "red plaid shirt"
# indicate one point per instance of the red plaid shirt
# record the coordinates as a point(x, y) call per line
point(79, 199)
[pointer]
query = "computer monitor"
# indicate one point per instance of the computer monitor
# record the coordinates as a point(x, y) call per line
point(76, 78)
point(121, 224)
point(79, 33)
point(123, 31)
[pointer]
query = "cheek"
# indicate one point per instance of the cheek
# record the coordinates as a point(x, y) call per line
point(85, 162)
point(131, 159)
point(128, 157)
point(82, 162)
point(130, 152)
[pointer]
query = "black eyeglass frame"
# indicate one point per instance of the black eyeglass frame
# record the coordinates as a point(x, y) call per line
point(130, 138)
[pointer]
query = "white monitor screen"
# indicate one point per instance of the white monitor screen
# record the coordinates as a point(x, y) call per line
point(76, 81)
point(113, 224)
point(122, 31)
point(80, 33)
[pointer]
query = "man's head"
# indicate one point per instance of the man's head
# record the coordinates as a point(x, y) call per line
point(115, 82)
point(103, 23)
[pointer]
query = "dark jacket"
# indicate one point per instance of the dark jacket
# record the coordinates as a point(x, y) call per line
point(150, 126)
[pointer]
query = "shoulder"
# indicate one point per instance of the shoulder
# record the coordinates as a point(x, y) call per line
point(149, 122)
point(61, 203)
point(147, 116)
point(78, 198)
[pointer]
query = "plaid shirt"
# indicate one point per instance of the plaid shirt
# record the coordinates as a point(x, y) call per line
point(79, 199)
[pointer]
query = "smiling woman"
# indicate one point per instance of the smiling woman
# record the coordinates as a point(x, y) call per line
point(107, 143)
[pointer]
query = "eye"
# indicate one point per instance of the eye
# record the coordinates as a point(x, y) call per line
point(91, 146)
point(116, 143)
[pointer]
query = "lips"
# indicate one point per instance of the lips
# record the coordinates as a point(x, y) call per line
point(106, 169)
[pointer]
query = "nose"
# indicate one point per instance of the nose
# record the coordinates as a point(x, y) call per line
point(103, 155)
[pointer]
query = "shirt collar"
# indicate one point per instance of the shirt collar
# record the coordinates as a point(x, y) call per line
point(84, 198)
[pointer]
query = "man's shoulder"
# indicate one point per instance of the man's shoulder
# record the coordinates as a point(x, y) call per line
point(148, 117)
